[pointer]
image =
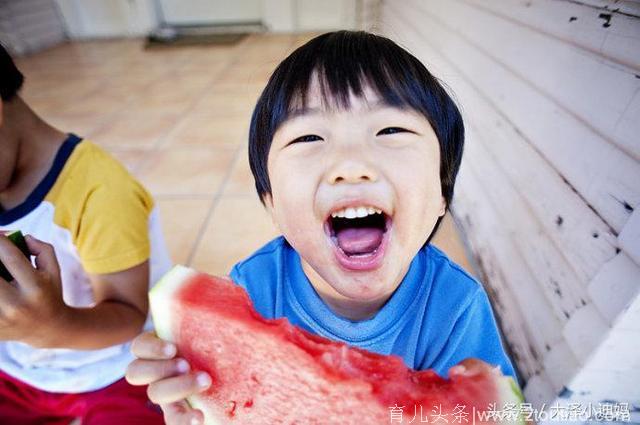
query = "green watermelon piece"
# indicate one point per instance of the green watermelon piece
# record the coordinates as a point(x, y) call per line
point(271, 372)
point(18, 240)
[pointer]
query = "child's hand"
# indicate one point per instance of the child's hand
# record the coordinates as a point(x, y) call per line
point(169, 380)
point(473, 366)
point(31, 306)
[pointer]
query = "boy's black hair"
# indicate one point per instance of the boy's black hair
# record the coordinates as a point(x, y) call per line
point(10, 78)
point(346, 61)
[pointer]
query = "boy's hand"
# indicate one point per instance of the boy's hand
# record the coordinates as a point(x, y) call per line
point(31, 306)
point(168, 377)
point(473, 366)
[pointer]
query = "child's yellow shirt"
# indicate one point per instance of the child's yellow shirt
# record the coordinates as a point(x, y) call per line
point(100, 220)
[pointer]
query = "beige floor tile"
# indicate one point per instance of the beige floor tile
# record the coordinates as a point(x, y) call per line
point(187, 171)
point(209, 130)
point(182, 221)
point(82, 124)
point(238, 227)
point(225, 105)
point(132, 159)
point(241, 181)
point(136, 128)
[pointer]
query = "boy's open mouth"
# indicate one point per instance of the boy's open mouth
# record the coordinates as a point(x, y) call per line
point(359, 236)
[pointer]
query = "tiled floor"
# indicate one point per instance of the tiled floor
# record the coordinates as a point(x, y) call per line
point(178, 119)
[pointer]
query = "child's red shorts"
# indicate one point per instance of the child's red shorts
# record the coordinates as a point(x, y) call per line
point(117, 404)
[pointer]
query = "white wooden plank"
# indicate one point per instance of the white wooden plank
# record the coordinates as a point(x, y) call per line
point(615, 286)
point(578, 24)
point(606, 385)
point(539, 391)
point(582, 238)
point(629, 320)
point(585, 331)
point(601, 174)
point(585, 85)
point(552, 276)
point(560, 365)
point(508, 273)
point(630, 236)
point(618, 352)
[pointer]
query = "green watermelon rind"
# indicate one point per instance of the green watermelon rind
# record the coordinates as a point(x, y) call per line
point(160, 298)
point(17, 238)
point(161, 295)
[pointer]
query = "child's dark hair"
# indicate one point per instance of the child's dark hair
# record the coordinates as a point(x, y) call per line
point(346, 61)
point(10, 78)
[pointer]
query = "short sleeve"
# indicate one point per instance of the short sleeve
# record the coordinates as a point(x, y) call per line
point(474, 334)
point(113, 233)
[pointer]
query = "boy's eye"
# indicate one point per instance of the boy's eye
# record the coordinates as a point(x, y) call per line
point(391, 130)
point(305, 139)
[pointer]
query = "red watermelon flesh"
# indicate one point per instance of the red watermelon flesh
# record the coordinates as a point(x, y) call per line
point(271, 372)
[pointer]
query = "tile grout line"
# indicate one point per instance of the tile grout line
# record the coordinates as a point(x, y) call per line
point(214, 203)
point(161, 142)
point(219, 193)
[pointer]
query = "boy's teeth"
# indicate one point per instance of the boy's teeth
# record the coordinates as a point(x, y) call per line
point(353, 212)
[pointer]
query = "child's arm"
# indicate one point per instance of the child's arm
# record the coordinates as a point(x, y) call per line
point(168, 377)
point(32, 309)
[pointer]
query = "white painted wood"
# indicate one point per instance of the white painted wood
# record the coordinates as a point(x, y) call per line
point(578, 24)
point(615, 286)
point(560, 365)
point(584, 331)
point(552, 276)
point(607, 385)
point(513, 294)
point(630, 320)
point(580, 82)
point(630, 236)
point(600, 173)
point(538, 390)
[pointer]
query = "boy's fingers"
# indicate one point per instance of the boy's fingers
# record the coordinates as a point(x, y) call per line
point(143, 372)
point(17, 264)
point(180, 413)
point(473, 366)
point(46, 259)
point(178, 388)
point(149, 346)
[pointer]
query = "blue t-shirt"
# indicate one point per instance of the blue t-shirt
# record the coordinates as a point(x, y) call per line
point(437, 317)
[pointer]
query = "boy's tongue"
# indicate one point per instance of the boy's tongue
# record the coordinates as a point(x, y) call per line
point(359, 240)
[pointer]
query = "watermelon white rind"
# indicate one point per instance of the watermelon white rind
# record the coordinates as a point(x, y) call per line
point(268, 371)
point(160, 299)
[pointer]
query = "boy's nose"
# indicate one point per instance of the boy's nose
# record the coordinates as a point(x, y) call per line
point(352, 171)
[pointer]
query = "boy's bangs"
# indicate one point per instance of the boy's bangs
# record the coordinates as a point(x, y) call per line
point(339, 80)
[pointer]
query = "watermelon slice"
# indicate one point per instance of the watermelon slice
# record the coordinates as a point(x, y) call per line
point(18, 240)
point(271, 372)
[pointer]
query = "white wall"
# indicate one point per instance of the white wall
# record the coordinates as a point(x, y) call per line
point(211, 11)
point(30, 25)
point(107, 18)
point(549, 190)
